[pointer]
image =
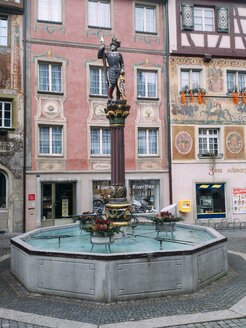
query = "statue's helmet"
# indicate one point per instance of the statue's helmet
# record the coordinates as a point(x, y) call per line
point(115, 42)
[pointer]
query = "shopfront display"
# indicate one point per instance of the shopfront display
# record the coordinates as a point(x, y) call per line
point(101, 193)
point(210, 200)
point(144, 195)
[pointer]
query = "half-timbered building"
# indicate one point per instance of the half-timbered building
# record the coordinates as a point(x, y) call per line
point(207, 74)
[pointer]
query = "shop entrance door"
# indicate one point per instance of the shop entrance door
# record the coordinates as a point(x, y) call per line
point(58, 200)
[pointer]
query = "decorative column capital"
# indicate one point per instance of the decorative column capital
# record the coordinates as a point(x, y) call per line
point(116, 112)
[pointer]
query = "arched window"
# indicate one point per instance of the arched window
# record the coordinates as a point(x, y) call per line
point(2, 190)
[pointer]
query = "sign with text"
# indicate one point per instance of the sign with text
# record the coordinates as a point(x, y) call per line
point(239, 200)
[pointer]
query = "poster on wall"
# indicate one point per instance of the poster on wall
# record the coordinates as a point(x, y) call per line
point(239, 200)
point(64, 207)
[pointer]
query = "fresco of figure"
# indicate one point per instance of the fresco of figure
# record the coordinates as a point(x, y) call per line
point(115, 72)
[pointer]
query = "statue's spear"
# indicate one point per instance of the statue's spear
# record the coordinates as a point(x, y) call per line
point(104, 63)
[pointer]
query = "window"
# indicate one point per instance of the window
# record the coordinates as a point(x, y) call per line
point(3, 31)
point(99, 13)
point(146, 84)
point(190, 79)
point(145, 19)
point(50, 77)
point(49, 11)
point(144, 195)
point(2, 190)
point(5, 114)
point(97, 82)
point(100, 141)
point(208, 142)
point(236, 79)
point(203, 19)
point(50, 140)
point(210, 200)
point(147, 142)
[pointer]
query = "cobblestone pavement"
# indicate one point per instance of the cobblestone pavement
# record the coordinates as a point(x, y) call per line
point(220, 295)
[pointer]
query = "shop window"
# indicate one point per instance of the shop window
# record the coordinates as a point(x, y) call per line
point(50, 140)
point(2, 190)
point(3, 30)
point(101, 194)
point(99, 13)
point(208, 140)
point(144, 195)
point(50, 77)
point(100, 141)
point(210, 200)
point(98, 85)
point(50, 11)
point(145, 18)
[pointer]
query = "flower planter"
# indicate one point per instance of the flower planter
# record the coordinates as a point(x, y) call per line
point(165, 226)
point(101, 239)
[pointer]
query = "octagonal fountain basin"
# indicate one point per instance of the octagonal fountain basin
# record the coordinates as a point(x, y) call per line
point(141, 263)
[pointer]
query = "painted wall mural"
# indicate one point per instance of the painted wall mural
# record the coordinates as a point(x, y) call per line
point(234, 143)
point(217, 107)
point(183, 142)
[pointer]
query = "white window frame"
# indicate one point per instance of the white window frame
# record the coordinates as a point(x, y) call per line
point(241, 87)
point(147, 142)
point(50, 87)
point(102, 82)
point(3, 113)
point(3, 31)
point(49, 11)
point(190, 84)
point(101, 151)
point(145, 28)
point(208, 142)
point(146, 87)
point(50, 141)
point(96, 17)
point(204, 27)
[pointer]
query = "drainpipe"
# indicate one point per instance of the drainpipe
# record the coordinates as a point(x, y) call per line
point(24, 116)
point(166, 63)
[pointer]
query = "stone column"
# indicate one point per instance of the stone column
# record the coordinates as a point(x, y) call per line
point(116, 112)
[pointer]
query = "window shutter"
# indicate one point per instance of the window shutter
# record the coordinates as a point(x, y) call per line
point(223, 20)
point(187, 17)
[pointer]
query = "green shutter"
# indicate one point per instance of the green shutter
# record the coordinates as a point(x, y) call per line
point(223, 19)
point(187, 17)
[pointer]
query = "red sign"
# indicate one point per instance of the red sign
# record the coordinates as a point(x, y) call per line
point(31, 197)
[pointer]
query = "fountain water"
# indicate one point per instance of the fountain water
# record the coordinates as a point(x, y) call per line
point(59, 261)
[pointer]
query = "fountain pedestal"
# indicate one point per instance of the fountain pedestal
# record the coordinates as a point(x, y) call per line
point(116, 112)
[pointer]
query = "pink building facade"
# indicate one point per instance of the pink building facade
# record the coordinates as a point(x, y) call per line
point(68, 144)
